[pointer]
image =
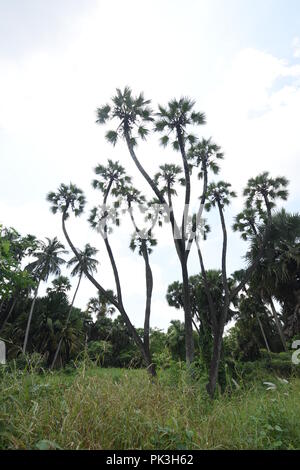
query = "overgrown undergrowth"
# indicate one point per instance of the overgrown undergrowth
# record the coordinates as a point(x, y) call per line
point(94, 408)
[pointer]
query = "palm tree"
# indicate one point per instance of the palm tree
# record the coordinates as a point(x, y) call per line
point(85, 263)
point(255, 303)
point(279, 265)
point(133, 114)
point(112, 179)
point(261, 193)
point(218, 195)
point(60, 285)
point(71, 197)
point(48, 261)
point(100, 306)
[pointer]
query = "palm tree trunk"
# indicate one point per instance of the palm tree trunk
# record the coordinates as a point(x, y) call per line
point(263, 333)
point(30, 318)
point(67, 322)
point(189, 340)
point(9, 313)
point(180, 249)
point(218, 336)
point(149, 289)
point(277, 321)
point(215, 363)
point(112, 300)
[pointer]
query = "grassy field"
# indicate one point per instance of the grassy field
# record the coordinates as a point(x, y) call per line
point(95, 408)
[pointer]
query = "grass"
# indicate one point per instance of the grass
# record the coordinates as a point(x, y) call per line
point(94, 408)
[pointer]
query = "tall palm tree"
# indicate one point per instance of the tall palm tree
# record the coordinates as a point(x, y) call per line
point(112, 180)
point(48, 261)
point(71, 198)
point(218, 195)
point(133, 114)
point(279, 265)
point(85, 263)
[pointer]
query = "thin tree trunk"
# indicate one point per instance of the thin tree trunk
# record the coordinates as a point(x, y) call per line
point(278, 325)
point(149, 289)
point(30, 318)
point(180, 249)
point(215, 363)
point(67, 322)
point(112, 300)
point(218, 337)
point(9, 313)
point(263, 333)
point(257, 315)
point(189, 340)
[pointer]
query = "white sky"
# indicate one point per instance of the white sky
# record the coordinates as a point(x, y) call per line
point(62, 59)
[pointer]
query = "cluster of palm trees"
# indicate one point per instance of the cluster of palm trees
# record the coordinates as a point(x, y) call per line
point(175, 121)
point(48, 260)
point(208, 300)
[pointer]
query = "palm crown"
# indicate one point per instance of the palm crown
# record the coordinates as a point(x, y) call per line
point(265, 190)
point(246, 222)
point(85, 262)
point(67, 196)
point(168, 175)
point(205, 154)
point(175, 118)
point(219, 194)
point(131, 112)
point(48, 259)
point(60, 285)
point(112, 176)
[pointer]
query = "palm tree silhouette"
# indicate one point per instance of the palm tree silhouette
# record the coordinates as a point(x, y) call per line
point(48, 261)
point(85, 263)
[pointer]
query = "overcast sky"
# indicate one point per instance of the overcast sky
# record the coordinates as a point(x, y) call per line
point(61, 59)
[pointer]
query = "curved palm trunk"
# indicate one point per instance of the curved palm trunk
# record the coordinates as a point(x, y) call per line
point(112, 300)
point(30, 318)
point(67, 322)
point(259, 321)
point(263, 333)
point(188, 318)
point(9, 313)
point(218, 337)
point(180, 249)
point(277, 321)
point(149, 289)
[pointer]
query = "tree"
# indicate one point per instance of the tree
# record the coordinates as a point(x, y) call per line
point(14, 280)
point(277, 275)
point(200, 306)
point(85, 263)
point(261, 191)
point(133, 113)
point(71, 198)
point(48, 261)
point(100, 306)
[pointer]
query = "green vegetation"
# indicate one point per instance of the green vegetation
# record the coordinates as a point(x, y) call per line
point(76, 378)
point(94, 408)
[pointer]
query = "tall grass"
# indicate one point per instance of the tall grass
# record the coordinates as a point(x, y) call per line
point(96, 408)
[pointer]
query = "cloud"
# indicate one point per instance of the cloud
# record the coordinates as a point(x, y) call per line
point(296, 47)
